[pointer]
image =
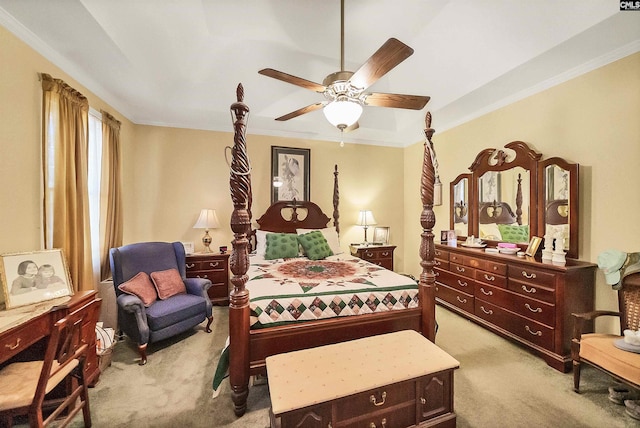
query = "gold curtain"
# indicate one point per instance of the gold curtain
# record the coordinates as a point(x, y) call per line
point(110, 192)
point(66, 197)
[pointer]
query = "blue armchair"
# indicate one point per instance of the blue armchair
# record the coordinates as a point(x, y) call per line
point(160, 318)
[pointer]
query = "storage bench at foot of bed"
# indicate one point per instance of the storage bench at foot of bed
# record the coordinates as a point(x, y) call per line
point(398, 379)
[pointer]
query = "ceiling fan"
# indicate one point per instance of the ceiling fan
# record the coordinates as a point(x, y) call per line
point(345, 90)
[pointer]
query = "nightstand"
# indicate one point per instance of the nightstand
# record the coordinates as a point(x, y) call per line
point(381, 255)
point(214, 267)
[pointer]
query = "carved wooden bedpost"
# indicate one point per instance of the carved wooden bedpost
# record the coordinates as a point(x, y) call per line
point(427, 246)
point(240, 187)
point(336, 200)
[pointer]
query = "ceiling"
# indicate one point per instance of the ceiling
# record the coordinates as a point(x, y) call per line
point(177, 63)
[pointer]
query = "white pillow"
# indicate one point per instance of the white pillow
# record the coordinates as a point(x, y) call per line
point(329, 234)
point(261, 242)
point(490, 231)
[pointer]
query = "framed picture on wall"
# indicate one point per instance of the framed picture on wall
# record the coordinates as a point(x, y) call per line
point(290, 171)
point(33, 277)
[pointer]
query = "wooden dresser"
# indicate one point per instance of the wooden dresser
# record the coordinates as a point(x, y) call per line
point(397, 379)
point(214, 267)
point(521, 299)
point(381, 255)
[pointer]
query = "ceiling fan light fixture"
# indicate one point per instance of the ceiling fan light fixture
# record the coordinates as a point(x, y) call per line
point(342, 112)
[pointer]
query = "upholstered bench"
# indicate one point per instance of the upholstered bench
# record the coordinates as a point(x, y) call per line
point(397, 379)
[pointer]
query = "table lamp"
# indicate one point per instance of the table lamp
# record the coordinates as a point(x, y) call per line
point(207, 220)
point(366, 219)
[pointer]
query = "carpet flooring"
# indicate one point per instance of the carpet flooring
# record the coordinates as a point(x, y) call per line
point(499, 384)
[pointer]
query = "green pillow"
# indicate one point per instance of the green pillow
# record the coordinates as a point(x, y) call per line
point(514, 233)
point(315, 245)
point(281, 246)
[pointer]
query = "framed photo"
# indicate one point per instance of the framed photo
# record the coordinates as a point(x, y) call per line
point(188, 247)
point(380, 235)
point(533, 246)
point(33, 277)
point(292, 166)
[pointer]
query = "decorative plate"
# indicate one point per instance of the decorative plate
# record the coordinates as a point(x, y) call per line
point(509, 250)
point(464, 244)
point(621, 344)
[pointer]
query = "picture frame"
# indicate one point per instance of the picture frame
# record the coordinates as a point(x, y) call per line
point(292, 167)
point(32, 277)
point(381, 235)
point(533, 246)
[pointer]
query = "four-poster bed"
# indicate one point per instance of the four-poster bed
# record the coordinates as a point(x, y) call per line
point(248, 347)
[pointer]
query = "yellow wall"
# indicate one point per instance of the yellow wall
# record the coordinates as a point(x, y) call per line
point(591, 120)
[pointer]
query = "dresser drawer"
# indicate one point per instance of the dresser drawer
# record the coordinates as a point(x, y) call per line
point(441, 264)
point(534, 332)
point(494, 295)
point(532, 275)
point(375, 253)
point(375, 400)
point(535, 309)
point(491, 278)
point(442, 254)
point(494, 267)
point(206, 265)
point(459, 269)
point(533, 291)
point(457, 298)
point(24, 336)
point(492, 313)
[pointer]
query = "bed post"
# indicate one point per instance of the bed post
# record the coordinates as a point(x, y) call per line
point(336, 200)
point(240, 188)
point(427, 246)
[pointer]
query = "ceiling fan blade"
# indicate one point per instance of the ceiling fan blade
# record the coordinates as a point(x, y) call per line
point(413, 102)
point(390, 54)
point(298, 81)
point(301, 111)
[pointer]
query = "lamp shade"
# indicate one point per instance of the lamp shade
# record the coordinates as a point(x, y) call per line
point(207, 220)
point(342, 113)
point(365, 218)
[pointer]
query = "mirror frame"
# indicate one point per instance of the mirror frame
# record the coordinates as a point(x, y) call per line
point(498, 160)
point(452, 202)
point(574, 211)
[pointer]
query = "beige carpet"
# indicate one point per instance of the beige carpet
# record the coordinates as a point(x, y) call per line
point(498, 384)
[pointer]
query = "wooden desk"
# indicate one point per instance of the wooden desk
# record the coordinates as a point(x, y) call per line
point(25, 339)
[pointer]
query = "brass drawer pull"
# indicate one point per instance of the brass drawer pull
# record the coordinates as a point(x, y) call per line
point(437, 263)
point(383, 423)
point(437, 273)
point(527, 290)
point(462, 284)
point(488, 312)
point(460, 269)
point(368, 254)
point(214, 264)
point(189, 266)
point(489, 277)
point(535, 333)
point(205, 276)
point(526, 275)
point(373, 400)
point(385, 254)
point(12, 347)
point(486, 293)
point(526, 305)
point(461, 300)
point(423, 401)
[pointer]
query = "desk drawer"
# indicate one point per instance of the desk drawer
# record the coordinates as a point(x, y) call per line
point(24, 336)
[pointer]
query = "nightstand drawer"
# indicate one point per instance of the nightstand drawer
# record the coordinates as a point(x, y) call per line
point(215, 268)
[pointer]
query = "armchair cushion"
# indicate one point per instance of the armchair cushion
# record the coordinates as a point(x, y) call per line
point(165, 313)
point(599, 348)
point(141, 286)
point(168, 283)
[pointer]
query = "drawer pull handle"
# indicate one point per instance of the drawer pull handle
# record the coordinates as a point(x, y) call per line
point(486, 293)
point(488, 312)
point(375, 402)
point(462, 284)
point(526, 275)
point(214, 264)
point(190, 265)
point(205, 276)
point(460, 269)
point(461, 300)
point(527, 290)
point(535, 333)
point(526, 305)
point(489, 277)
point(12, 347)
point(437, 263)
point(423, 401)
point(383, 423)
point(437, 273)
point(385, 254)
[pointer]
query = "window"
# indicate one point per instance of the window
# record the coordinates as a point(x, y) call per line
point(94, 173)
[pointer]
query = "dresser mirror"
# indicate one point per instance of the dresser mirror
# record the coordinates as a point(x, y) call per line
point(559, 217)
point(511, 196)
point(459, 190)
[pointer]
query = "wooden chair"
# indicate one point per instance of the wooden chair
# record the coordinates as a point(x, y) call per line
point(598, 349)
point(24, 385)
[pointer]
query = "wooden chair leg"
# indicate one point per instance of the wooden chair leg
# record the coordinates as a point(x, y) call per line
point(208, 328)
point(142, 350)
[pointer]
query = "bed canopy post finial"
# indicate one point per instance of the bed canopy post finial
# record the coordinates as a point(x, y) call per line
point(427, 246)
point(240, 188)
point(336, 199)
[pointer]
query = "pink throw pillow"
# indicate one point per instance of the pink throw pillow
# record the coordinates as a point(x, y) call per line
point(141, 286)
point(168, 283)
